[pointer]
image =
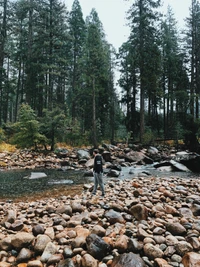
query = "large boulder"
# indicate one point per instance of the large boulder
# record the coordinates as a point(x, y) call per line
point(138, 157)
point(189, 159)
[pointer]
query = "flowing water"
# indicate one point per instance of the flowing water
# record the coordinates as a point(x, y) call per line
point(16, 183)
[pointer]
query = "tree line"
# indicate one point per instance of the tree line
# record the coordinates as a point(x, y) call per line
point(159, 67)
point(60, 69)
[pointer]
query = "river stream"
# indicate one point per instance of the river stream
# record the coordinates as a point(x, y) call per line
point(15, 183)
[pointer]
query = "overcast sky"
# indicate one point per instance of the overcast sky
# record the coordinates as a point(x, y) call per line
point(112, 14)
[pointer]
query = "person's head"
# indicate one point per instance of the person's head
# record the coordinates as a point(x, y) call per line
point(96, 151)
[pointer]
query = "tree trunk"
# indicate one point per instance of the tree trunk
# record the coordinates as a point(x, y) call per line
point(3, 35)
point(192, 62)
point(141, 29)
point(94, 114)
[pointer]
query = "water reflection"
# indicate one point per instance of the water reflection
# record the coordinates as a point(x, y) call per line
point(16, 183)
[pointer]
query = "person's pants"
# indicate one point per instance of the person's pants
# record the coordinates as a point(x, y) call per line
point(98, 180)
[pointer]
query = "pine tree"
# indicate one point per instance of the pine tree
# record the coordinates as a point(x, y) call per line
point(142, 19)
point(193, 46)
point(77, 30)
point(174, 86)
point(99, 77)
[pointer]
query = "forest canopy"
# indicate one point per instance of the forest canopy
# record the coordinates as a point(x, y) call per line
point(57, 75)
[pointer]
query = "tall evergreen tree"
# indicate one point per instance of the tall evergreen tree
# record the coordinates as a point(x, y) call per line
point(42, 44)
point(3, 38)
point(142, 20)
point(170, 59)
point(128, 82)
point(77, 31)
point(193, 46)
point(99, 76)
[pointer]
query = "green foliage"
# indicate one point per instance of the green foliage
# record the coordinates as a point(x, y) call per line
point(74, 135)
point(149, 136)
point(53, 57)
point(180, 131)
point(27, 129)
point(121, 133)
point(53, 125)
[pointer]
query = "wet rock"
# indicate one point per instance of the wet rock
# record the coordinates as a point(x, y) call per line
point(96, 246)
point(128, 260)
point(189, 159)
point(37, 175)
point(178, 166)
point(113, 173)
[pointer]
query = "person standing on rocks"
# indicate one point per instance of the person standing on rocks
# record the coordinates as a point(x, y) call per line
point(98, 173)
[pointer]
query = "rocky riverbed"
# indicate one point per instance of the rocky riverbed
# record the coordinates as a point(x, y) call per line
point(145, 221)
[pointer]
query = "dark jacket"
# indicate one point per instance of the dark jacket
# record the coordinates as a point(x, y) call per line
point(98, 164)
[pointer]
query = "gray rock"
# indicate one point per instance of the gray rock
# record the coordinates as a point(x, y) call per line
point(24, 255)
point(41, 242)
point(50, 249)
point(97, 247)
point(129, 260)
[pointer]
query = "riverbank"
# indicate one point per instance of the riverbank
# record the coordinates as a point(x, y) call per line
point(146, 221)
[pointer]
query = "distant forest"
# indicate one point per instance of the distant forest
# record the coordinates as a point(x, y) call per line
point(57, 75)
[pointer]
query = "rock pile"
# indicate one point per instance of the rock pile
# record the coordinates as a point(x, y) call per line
point(76, 158)
point(114, 157)
point(141, 222)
